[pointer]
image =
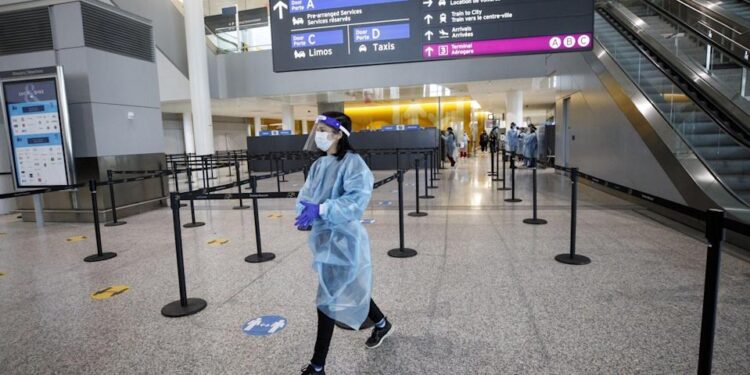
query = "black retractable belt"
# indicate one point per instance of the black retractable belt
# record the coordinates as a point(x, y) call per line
point(192, 223)
point(401, 252)
point(513, 198)
point(504, 188)
point(114, 222)
point(416, 180)
point(184, 306)
point(239, 184)
point(534, 220)
point(99, 256)
point(259, 256)
point(572, 257)
point(715, 236)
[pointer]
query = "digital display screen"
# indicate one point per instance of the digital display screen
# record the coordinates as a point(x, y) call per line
point(36, 132)
point(317, 34)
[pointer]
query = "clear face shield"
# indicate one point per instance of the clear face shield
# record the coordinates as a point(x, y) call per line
point(324, 134)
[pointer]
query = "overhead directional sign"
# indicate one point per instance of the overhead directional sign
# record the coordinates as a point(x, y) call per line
point(316, 34)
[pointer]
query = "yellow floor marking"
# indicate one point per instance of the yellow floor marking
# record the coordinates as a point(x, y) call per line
point(76, 238)
point(2, 274)
point(109, 292)
point(275, 216)
point(218, 242)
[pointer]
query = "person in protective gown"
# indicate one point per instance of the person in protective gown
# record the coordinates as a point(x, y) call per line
point(335, 195)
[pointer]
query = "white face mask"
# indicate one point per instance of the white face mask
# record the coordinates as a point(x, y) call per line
point(323, 141)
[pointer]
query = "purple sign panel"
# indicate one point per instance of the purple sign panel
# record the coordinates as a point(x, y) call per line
point(538, 44)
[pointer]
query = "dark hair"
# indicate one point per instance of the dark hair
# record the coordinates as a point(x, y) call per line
point(450, 130)
point(346, 122)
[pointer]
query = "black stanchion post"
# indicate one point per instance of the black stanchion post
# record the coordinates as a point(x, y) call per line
point(233, 157)
point(497, 167)
point(112, 203)
point(401, 252)
point(259, 256)
point(715, 236)
point(239, 183)
point(503, 188)
point(426, 187)
point(283, 168)
point(492, 160)
point(192, 223)
point(432, 172)
point(176, 175)
point(513, 198)
point(184, 306)
point(436, 171)
point(278, 177)
point(204, 171)
point(534, 220)
point(417, 213)
point(572, 257)
point(99, 256)
point(214, 164)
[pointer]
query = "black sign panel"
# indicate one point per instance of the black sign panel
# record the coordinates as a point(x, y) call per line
point(316, 34)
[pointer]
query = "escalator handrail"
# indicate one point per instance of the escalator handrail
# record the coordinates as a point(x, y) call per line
point(720, 15)
point(677, 133)
point(656, 54)
point(705, 38)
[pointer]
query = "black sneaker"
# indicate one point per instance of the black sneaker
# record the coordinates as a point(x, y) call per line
point(379, 334)
point(310, 370)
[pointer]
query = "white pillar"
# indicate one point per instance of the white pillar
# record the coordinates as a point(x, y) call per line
point(514, 106)
point(287, 117)
point(200, 98)
point(258, 126)
point(305, 126)
point(187, 131)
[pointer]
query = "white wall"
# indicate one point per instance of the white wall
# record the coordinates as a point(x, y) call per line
point(174, 138)
point(229, 133)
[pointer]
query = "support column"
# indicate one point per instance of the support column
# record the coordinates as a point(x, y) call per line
point(287, 117)
point(305, 126)
point(187, 131)
point(258, 125)
point(200, 99)
point(514, 106)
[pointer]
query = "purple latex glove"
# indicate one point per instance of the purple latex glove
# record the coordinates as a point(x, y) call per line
point(308, 215)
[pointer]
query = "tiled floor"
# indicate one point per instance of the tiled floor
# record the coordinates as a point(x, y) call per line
point(484, 295)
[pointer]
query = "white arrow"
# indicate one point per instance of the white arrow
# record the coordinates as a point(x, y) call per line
point(429, 51)
point(428, 18)
point(428, 34)
point(280, 6)
point(428, 3)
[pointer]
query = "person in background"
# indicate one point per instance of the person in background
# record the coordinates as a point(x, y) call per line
point(495, 138)
point(483, 140)
point(450, 145)
point(465, 146)
point(511, 140)
point(332, 200)
point(530, 147)
point(519, 145)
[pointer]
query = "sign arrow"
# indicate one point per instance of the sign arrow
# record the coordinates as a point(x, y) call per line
point(429, 51)
point(428, 3)
point(428, 18)
point(429, 34)
point(280, 6)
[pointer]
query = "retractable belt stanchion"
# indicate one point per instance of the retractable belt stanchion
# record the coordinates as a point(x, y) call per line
point(504, 188)
point(513, 198)
point(417, 213)
point(534, 220)
point(492, 160)
point(497, 167)
point(283, 168)
point(401, 252)
point(278, 177)
point(436, 172)
point(715, 236)
point(204, 171)
point(239, 185)
point(572, 257)
point(99, 256)
point(184, 306)
point(426, 187)
point(176, 181)
point(192, 223)
point(432, 171)
point(114, 222)
point(231, 156)
point(259, 256)
point(213, 165)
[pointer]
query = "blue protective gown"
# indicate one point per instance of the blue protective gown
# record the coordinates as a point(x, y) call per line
point(530, 146)
point(512, 140)
point(519, 144)
point(338, 241)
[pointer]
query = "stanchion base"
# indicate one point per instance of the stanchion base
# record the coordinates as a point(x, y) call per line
point(427, 197)
point(417, 214)
point(503, 188)
point(577, 260)
point(432, 187)
point(402, 253)
point(435, 179)
point(514, 200)
point(241, 207)
point(497, 180)
point(115, 224)
point(263, 257)
point(176, 310)
point(367, 324)
point(99, 258)
point(535, 221)
point(183, 205)
point(194, 225)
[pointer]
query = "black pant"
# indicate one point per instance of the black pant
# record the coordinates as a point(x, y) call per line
point(325, 333)
point(453, 161)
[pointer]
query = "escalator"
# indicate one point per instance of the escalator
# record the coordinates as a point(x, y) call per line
point(739, 8)
point(695, 88)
